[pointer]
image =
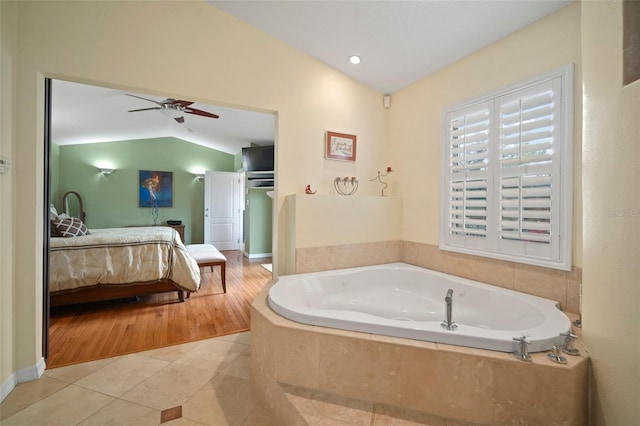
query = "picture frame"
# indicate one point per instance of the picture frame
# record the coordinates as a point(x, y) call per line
point(155, 189)
point(340, 146)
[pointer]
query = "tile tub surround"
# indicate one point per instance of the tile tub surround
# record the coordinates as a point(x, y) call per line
point(561, 286)
point(466, 384)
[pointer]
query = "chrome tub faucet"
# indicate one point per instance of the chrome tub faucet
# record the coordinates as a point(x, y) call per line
point(448, 324)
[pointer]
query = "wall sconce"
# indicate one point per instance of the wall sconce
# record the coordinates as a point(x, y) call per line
point(198, 172)
point(105, 171)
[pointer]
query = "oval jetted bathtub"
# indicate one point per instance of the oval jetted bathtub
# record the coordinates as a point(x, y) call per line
point(407, 301)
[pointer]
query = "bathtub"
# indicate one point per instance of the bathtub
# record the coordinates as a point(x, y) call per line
point(407, 301)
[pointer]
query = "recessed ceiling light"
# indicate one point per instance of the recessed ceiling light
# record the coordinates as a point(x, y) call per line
point(354, 59)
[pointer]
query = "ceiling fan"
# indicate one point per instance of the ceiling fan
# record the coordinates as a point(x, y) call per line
point(173, 108)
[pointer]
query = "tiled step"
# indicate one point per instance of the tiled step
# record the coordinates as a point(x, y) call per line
point(317, 408)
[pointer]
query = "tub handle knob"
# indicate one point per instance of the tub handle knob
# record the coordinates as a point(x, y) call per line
point(522, 352)
point(556, 356)
point(568, 348)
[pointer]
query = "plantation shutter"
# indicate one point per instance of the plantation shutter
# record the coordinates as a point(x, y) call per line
point(528, 176)
point(506, 173)
point(467, 161)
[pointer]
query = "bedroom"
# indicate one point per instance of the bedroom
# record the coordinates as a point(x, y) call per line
point(304, 111)
point(91, 127)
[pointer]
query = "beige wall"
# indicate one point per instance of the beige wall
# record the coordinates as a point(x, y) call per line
point(416, 113)
point(611, 283)
point(323, 220)
point(8, 46)
point(218, 60)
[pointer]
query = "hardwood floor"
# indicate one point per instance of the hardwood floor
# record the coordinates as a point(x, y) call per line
point(91, 331)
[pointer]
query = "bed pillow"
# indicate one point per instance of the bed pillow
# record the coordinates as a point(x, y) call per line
point(70, 227)
point(53, 213)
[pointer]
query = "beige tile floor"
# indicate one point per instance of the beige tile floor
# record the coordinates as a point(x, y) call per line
point(208, 379)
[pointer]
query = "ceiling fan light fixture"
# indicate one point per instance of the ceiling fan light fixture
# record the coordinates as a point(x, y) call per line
point(171, 112)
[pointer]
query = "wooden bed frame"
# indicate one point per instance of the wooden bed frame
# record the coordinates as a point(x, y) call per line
point(114, 291)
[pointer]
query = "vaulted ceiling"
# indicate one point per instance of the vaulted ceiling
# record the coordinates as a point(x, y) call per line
point(398, 41)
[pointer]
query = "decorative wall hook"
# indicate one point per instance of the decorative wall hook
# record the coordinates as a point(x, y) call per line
point(307, 190)
point(379, 179)
point(346, 185)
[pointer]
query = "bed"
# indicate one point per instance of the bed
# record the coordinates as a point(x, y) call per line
point(115, 263)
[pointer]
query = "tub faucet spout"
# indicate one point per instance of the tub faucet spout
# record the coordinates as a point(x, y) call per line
point(448, 324)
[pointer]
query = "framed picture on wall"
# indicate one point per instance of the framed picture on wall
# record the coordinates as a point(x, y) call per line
point(155, 189)
point(340, 146)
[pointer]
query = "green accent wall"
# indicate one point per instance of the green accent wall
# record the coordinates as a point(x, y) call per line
point(237, 162)
point(54, 178)
point(258, 229)
point(111, 201)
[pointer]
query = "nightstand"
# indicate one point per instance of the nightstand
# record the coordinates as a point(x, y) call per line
point(180, 229)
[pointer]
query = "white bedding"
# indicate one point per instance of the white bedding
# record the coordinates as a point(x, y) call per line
point(121, 256)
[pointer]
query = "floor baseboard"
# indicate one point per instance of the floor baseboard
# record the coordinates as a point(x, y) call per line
point(23, 375)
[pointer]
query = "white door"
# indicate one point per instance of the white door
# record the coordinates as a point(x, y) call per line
point(222, 210)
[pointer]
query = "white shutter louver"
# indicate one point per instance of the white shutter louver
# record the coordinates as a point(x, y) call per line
point(525, 208)
point(526, 127)
point(468, 159)
point(468, 208)
point(469, 142)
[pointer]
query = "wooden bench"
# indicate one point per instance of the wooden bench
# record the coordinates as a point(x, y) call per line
point(207, 255)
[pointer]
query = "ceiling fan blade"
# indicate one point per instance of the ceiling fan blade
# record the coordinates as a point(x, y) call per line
point(144, 109)
point(150, 100)
point(180, 102)
point(200, 112)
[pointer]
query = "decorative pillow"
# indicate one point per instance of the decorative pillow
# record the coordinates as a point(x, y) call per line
point(70, 227)
point(54, 229)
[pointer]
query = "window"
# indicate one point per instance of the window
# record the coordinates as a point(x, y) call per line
point(507, 173)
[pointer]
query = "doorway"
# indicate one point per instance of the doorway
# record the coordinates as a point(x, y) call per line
point(53, 179)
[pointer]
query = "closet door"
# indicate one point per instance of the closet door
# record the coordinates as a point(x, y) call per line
point(222, 209)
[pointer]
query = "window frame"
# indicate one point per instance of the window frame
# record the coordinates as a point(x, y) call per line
point(490, 246)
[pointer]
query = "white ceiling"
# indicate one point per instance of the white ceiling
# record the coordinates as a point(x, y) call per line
point(399, 42)
point(89, 114)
